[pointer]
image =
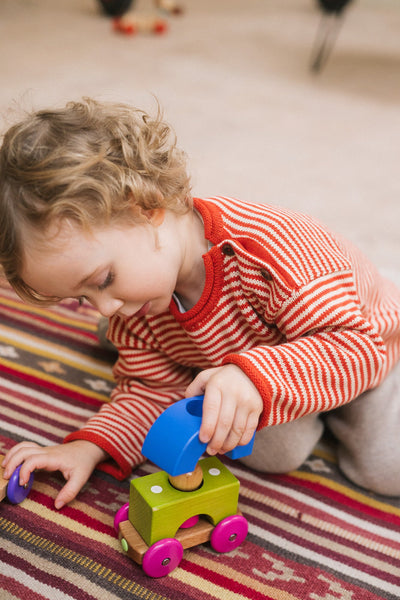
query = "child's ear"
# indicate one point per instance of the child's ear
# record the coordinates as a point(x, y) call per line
point(155, 216)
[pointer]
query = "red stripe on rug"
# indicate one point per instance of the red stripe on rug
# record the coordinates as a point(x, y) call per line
point(41, 418)
point(45, 578)
point(225, 583)
point(73, 513)
point(38, 324)
point(68, 541)
point(335, 537)
point(342, 528)
point(48, 385)
point(47, 435)
point(17, 589)
point(39, 404)
point(336, 555)
point(341, 499)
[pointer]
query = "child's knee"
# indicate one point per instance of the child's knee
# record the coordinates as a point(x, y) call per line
point(367, 431)
point(287, 460)
point(377, 474)
point(284, 448)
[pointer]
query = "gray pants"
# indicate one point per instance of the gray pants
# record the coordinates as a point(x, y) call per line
point(367, 431)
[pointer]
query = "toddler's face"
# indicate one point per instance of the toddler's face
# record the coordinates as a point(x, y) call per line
point(119, 270)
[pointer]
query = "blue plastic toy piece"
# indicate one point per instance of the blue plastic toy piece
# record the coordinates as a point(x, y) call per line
point(173, 442)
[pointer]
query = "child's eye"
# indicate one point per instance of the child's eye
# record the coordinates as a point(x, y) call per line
point(108, 281)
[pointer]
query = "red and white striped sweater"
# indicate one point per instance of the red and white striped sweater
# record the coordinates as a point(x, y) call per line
point(301, 312)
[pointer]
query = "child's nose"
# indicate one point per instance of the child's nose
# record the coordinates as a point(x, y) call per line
point(108, 307)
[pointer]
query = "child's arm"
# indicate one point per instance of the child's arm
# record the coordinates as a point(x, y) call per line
point(75, 460)
point(231, 408)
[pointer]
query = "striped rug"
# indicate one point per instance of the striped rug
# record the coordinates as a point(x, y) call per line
point(312, 536)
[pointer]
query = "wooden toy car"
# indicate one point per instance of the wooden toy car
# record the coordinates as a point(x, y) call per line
point(11, 489)
point(190, 502)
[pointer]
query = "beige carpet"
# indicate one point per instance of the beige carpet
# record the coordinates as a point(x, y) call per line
point(234, 79)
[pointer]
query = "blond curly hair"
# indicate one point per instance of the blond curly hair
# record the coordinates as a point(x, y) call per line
point(95, 163)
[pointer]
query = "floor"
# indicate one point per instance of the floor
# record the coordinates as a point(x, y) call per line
point(234, 78)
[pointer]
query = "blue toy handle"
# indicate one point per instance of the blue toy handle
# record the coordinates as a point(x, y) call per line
point(173, 443)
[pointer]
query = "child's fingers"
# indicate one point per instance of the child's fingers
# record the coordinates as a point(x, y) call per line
point(198, 385)
point(16, 449)
point(39, 459)
point(242, 431)
point(237, 431)
point(211, 414)
point(223, 428)
point(252, 424)
point(76, 478)
point(69, 491)
point(231, 407)
point(17, 455)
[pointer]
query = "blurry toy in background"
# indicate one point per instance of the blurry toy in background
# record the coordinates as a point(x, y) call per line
point(132, 24)
point(170, 7)
point(11, 488)
point(331, 19)
point(130, 19)
point(116, 8)
point(191, 502)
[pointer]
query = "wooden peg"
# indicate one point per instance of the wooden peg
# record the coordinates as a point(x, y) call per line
point(188, 481)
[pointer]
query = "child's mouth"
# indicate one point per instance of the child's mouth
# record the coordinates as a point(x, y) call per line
point(143, 311)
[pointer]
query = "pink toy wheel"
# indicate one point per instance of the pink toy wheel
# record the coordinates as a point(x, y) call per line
point(121, 515)
point(190, 522)
point(162, 557)
point(229, 533)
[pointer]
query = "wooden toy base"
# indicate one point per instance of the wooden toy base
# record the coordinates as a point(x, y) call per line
point(3, 482)
point(137, 547)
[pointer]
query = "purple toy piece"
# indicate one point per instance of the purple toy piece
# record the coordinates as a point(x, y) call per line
point(15, 492)
point(229, 533)
point(162, 557)
point(121, 516)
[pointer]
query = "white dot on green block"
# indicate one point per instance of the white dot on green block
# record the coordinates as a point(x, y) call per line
point(156, 489)
point(214, 472)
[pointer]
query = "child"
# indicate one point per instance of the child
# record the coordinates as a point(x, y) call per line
point(283, 326)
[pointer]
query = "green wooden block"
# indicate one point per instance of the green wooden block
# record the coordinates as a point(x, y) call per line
point(157, 509)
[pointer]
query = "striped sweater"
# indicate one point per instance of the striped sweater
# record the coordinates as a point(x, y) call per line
point(300, 311)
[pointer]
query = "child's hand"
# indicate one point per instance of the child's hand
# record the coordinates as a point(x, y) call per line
point(76, 461)
point(231, 408)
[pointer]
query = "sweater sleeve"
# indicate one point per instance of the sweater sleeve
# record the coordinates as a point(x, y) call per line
point(330, 355)
point(147, 382)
